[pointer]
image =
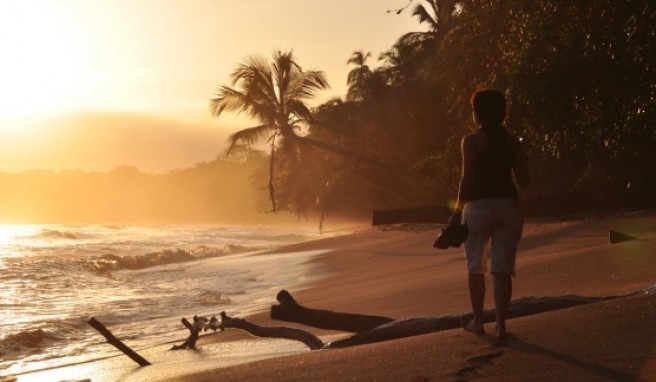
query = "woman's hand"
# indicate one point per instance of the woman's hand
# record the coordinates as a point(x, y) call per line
point(456, 217)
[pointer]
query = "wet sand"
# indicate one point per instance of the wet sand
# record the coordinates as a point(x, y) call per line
point(394, 271)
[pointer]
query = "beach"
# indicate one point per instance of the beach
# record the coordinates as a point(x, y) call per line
point(394, 271)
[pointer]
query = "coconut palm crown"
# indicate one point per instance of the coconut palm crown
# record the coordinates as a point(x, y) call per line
point(273, 93)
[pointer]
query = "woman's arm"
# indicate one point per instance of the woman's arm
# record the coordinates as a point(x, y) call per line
point(520, 169)
point(468, 151)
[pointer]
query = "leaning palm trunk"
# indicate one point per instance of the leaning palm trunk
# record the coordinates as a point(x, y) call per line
point(414, 179)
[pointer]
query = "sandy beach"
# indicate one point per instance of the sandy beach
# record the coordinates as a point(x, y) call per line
point(394, 271)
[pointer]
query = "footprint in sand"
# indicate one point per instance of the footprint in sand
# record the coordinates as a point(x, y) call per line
point(483, 358)
point(475, 362)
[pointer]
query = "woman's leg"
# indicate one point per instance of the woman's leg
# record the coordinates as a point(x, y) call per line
point(502, 295)
point(477, 297)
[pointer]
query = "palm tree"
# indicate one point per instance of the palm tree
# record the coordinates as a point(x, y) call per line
point(357, 78)
point(400, 62)
point(438, 16)
point(274, 93)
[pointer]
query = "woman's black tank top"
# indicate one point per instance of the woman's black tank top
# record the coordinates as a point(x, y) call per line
point(493, 167)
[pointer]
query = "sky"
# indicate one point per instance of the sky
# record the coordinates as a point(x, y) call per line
point(92, 85)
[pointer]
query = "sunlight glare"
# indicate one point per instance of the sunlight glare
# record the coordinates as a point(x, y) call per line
point(41, 65)
point(9, 233)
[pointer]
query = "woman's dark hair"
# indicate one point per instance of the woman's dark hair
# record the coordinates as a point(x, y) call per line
point(489, 107)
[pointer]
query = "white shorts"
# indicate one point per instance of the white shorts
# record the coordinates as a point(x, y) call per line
point(497, 221)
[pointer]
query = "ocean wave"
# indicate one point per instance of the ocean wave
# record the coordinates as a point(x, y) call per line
point(35, 338)
point(111, 262)
point(56, 234)
point(41, 338)
point(213, 298)
point(113, 226)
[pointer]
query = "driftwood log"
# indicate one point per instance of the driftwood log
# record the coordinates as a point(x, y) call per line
point(291, 311)
point(194, 329)
point(423, 325)
point(418, 325)
point(117, 343)
point(390, 329)
point(309, 339)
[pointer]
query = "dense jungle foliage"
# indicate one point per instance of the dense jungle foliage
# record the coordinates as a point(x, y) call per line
point(579, 76)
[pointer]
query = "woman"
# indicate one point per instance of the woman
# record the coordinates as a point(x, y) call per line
point(488, 204)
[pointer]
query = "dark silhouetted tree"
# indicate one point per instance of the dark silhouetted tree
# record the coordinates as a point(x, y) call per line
point(359, 76)
point(275, 94)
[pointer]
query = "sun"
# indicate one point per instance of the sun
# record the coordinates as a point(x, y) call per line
point(40, 61)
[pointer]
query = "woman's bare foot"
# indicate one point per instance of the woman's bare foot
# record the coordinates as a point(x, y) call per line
point(500, 332)
point(472, 327)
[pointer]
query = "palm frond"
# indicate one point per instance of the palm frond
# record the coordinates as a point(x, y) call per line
point(358, 58)
point(250, 136)
point(425, 17)
point(300, 110)
point(228, 99)
point(306, 84)
point(250, 67)
point(254, 76)
point(283, 68)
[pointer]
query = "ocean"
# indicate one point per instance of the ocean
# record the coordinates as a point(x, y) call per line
point(139, 281)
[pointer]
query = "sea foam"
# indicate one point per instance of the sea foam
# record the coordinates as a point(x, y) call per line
point(139, 281)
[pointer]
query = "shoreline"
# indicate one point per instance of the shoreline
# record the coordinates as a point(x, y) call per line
point(558, 256)
point(393, 271)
